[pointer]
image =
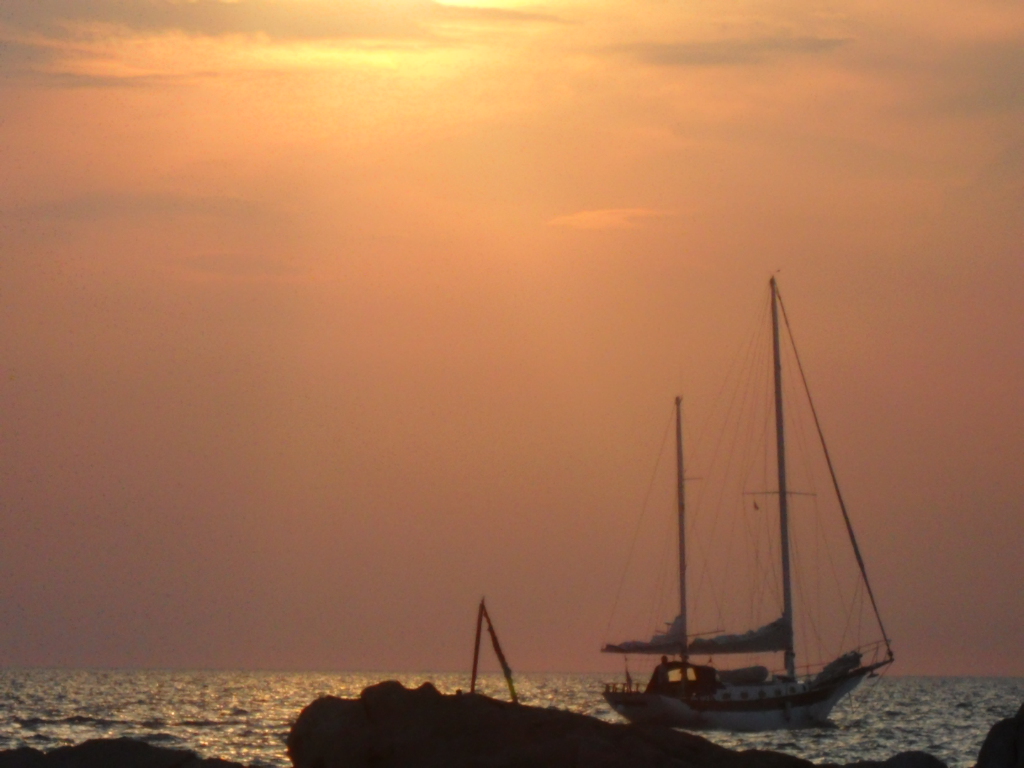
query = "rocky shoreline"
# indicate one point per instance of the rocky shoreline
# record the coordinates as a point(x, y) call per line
point(390, 726)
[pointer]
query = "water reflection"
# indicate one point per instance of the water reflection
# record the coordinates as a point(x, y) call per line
point(244, 716)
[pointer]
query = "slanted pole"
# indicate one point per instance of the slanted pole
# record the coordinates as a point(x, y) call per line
point(780, 455)
point(501, 656)
point(681, 500)
point(482, 614)
point(476, 644)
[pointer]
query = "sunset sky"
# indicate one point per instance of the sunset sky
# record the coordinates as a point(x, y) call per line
point(321, 319)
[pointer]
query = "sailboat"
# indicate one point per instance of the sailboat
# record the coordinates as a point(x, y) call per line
point(703, 696)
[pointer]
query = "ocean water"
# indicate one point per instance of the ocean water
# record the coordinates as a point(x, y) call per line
point(245, 716)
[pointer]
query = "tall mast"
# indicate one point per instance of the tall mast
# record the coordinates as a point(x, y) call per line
point(681, 499)
point(780, 454)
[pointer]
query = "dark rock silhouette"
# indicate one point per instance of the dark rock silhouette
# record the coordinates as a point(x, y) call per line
point(390, 726)
point(913, 759)
point(109, 753)
point(1004, 745)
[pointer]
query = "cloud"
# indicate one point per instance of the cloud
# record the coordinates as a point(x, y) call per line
point(52, 64)
point(279, 19)
point(275, 19)
point(718, 53)
point(42, 40)
point(608, 218)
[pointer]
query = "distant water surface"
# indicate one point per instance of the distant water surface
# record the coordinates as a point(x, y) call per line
point(244, 716)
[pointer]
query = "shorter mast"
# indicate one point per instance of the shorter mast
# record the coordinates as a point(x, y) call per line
point(780, 455)
point(681, 499)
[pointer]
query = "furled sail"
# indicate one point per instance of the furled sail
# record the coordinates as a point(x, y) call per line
point(777, 636)
point(667, 644)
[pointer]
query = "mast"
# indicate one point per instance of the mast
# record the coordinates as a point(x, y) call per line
point(681, 500)
point(780, 454)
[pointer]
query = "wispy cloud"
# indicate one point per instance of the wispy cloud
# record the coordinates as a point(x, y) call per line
point(277, 19)
point(731, 52)
point(43, 40)
point(274, 19)
point(608, 218)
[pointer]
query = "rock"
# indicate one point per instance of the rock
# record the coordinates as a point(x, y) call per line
point(390, 726)
point(109, 753)
point(1004, 745)
point(913, 759)
point(331, 733)
point(23, 757)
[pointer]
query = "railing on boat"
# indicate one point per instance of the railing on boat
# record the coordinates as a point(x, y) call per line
point(621, 688)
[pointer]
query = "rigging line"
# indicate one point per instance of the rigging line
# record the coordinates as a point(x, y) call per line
point(835, 481)
point(848, 603)
point(752, 430)
point(849, 620)
point(754, 453)
point(749, 447)
point(739, 363)
point(740, 451)
point(824, 542)
point(636, 531)
point(801, 459)
point(769, 585)
point(658, 593)
point(763, 585)
point(809, 626)
point(851, 604)
point(755, 421)
point(766, 585)
point(734, 459)
point(772, 578)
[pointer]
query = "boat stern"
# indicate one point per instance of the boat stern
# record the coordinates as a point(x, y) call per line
point(640, 707)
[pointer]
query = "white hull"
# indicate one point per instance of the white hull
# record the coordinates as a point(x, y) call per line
point(763, 707)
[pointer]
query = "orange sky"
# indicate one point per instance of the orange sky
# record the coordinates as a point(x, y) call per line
point(321, 319)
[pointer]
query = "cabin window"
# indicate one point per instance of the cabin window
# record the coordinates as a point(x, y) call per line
point(726, 696)
point(760, 694)
point(744, 695)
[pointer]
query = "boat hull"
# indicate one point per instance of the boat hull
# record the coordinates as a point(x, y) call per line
point(764, 707)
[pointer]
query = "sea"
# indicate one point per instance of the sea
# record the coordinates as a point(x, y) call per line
point(245, 716)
